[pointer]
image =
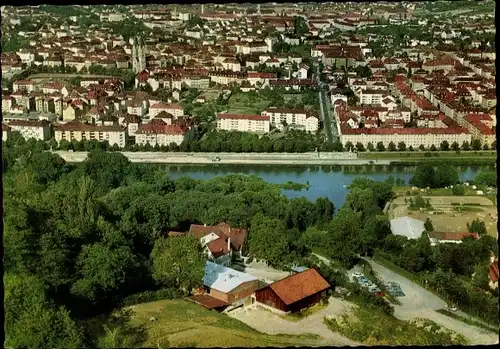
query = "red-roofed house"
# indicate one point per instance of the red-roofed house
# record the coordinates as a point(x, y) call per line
point(159, 132)
point(219, 241)
point(293, 293)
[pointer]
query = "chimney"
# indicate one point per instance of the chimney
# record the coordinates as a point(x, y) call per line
point(229, 244)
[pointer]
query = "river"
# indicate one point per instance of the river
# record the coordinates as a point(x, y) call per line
point(329, 181)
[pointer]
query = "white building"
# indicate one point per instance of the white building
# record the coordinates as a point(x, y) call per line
point(406, 226)
point(413, 137)
point(39, 130)
point(295, 118)
point(158, 132)
point(259, 124)
point(175, 109)
point(76, 130)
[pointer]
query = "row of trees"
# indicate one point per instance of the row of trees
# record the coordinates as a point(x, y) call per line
point(401, 146)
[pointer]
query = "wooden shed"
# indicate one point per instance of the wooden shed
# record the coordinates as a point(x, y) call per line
point(295, 292)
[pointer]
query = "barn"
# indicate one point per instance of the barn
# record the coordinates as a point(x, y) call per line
point(295, 292)
point(225, 288)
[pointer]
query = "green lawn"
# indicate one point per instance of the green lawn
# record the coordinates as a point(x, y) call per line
point(371, 326)
point(240, 103)
point(413, 155)
point(180, 323)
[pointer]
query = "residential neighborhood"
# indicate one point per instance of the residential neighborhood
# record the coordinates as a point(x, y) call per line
point(435, 83)
point(249, 174)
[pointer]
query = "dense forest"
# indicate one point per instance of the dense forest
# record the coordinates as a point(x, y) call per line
point(82, 239)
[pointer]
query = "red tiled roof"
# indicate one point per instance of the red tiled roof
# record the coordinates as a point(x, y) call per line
point(166, 106)
point(207, 301)
point(299, 286)
point(218, 247)
point(29, 123)
point(159, 128)
point(452, 236)
point(223, 230)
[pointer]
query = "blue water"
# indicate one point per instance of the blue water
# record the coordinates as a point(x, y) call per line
point(323, 182)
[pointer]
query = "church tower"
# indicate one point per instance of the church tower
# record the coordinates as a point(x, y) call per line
point(138, 55)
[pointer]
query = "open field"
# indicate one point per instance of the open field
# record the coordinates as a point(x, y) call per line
point(473, 207)
point(180, 323)
point(210, 95)
point(240, 103)
point(415, 155)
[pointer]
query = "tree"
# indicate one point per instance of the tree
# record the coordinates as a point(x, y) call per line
point(433, 148)
point(31, 321)
point(428, 225)
point(47, 166)
point(267, 241)
point(370, 146)
point(380, 146)
point(488, 178)
point(338, 146)
point(477, 226)
point(444, 146)
point(481, 277)
point(360, 147)
point(465, 146)
point(103, 269)
point(423, 176)
point(455, 146)
point(179, 262)
point(107, 169)
point(476, 144)
point(493, 145)
point(392, 146)
point(345, 227)
point(421, 147)
point(401, 146)
point(349, 146)
point(445, 175)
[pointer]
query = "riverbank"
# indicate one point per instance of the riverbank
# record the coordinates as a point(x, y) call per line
point(235, 158)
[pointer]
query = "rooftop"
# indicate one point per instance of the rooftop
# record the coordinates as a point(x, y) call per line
point(224, 279)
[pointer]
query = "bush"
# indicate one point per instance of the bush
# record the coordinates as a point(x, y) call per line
point(458, 190)
point(150, 296)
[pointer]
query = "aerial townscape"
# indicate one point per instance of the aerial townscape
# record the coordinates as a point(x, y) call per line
point(249, 174)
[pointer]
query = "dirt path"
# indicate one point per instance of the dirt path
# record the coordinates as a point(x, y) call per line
point(268, 322)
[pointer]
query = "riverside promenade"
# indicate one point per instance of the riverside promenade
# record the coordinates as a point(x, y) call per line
point(235, 158)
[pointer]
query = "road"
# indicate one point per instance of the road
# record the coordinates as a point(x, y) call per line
point(268, 322)
point(330, 132)
point(235, 158)
point(420, 303)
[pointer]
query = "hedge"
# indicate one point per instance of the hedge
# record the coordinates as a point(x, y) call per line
point(150, 296)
